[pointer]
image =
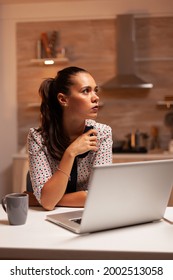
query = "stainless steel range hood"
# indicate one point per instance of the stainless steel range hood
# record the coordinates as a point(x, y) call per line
point(126, 76)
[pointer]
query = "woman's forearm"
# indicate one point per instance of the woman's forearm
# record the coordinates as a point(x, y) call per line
point(54, 189)
point(75, 199)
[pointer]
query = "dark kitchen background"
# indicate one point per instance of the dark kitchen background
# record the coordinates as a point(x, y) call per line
point(92, 44)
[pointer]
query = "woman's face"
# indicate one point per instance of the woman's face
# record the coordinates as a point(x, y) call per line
point(83, 99)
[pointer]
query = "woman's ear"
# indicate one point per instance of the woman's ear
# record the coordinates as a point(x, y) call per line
point(63, 99)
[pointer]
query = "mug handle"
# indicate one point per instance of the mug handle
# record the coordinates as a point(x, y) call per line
point(3, 201)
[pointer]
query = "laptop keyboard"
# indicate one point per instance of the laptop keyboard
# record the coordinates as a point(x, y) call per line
point(78, 221)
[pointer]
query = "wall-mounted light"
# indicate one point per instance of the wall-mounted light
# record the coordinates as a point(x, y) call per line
point(49, 61)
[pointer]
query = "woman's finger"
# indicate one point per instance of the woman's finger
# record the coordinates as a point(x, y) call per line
point(91, 132)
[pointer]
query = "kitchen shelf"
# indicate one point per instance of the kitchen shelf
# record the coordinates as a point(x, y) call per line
point(164, 58)
point(165, 104)
point(49, 61)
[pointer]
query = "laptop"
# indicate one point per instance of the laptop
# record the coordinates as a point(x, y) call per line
point(121, 194)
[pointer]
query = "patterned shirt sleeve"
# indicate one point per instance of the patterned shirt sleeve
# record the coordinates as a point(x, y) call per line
point(104, 154)
point(39, 166)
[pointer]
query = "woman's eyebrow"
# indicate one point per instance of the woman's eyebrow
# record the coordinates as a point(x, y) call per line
point(84, 87)
point(97, 88)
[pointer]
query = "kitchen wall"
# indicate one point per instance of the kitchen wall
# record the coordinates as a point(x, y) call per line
point(91, 44)
point(10, 16)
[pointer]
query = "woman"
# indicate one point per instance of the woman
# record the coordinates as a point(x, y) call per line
point(63, 150)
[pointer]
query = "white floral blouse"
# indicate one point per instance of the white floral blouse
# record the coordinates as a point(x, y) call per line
point(42, 165)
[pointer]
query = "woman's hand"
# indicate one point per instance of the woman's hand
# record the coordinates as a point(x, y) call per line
point(84, 143)
point(53, 191)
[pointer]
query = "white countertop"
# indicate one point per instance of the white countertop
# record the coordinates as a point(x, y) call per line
point(40, 239)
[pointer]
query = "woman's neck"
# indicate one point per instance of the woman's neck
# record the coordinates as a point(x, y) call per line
point(73, 129)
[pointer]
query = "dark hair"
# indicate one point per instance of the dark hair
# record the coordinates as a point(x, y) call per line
point(51, 111)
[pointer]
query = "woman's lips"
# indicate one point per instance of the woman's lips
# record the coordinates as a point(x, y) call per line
point(95, 108)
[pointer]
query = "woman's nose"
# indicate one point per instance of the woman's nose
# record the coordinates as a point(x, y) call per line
point(94, 97)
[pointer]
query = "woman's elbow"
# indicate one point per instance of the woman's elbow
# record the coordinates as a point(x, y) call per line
point(47, 206)
point(47, 202)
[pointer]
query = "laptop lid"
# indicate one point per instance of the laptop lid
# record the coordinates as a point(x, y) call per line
point(122, 194)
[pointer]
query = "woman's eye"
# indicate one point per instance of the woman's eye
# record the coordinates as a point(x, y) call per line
point(86, 90)
point(89, 89)
point(97, 90)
